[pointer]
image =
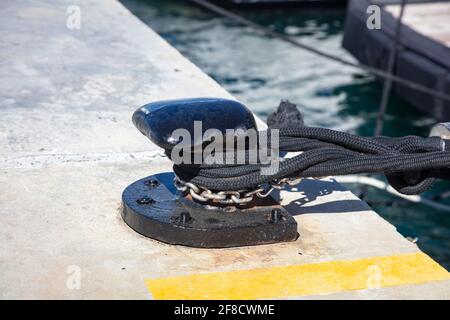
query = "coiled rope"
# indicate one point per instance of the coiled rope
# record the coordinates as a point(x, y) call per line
point(411, 164)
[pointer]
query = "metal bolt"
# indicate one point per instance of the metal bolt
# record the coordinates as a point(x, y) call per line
point(276, 215)
point(185, 217)
point(145, 200)
point(152, 183)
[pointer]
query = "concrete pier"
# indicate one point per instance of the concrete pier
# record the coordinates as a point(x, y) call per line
point(68, 149)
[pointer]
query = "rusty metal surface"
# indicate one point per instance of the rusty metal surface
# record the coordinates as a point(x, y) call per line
point(155, 209)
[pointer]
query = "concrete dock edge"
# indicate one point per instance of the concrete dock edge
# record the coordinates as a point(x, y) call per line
point(68, 149)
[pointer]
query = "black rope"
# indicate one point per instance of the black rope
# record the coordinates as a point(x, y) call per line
point(380, 73)
point(411, 163)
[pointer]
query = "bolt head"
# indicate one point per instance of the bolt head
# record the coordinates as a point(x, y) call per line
point(185, 217)
point(145, 200)
point(152, 183)
point(276, 215)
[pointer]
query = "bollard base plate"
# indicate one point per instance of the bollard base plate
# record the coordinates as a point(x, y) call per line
point(154, 208)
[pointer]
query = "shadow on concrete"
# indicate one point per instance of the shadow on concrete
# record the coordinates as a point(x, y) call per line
point(313, 189)
point(308, 190)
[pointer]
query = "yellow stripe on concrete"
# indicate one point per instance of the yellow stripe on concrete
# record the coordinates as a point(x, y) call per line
point(301, 280)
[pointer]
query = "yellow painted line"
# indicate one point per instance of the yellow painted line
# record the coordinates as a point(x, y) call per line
point(301, 280)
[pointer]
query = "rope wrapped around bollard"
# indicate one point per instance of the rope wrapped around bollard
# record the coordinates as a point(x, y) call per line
point(411, 164)
point(226, 203)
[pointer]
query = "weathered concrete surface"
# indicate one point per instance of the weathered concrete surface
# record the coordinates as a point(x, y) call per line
point(73, 91)
point(68, 149)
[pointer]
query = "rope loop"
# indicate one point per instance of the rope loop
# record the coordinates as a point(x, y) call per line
point(411, 163)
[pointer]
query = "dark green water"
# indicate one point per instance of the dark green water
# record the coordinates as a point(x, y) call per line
point(260, 71)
